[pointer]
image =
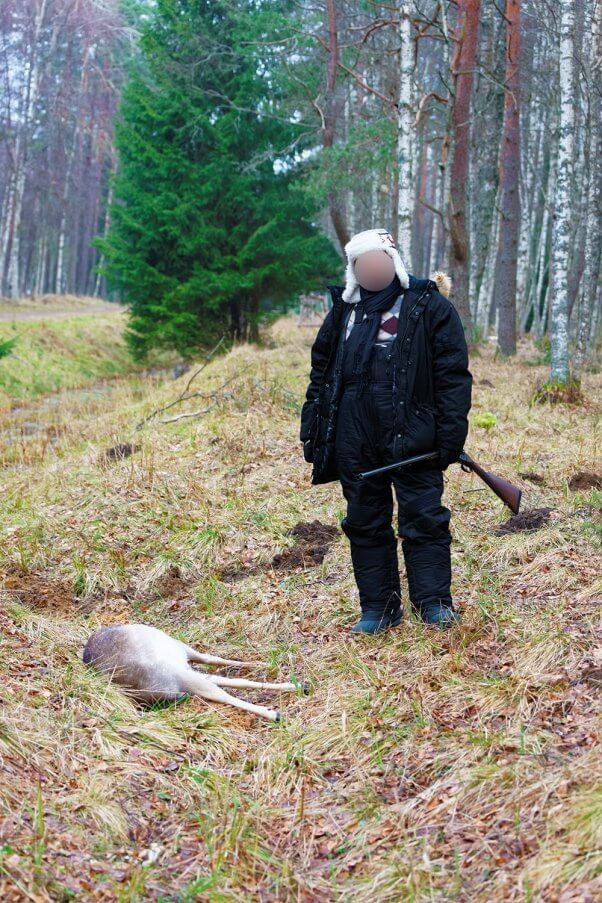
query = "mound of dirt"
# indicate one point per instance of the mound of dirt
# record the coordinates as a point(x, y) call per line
point(39, 591)
point(314, 531)
point(119, 452)
point(313, 539)
point(585, 480)
point(526, 521)
point(172, 585)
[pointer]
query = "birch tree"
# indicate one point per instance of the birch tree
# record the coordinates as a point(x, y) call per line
point(590, 282)
point(563, 202)
point(405, 124)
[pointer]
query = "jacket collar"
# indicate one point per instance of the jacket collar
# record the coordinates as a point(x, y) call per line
point(421, 285)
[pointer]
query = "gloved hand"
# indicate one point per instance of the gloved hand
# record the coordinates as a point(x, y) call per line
point(308, 450)
point(448, 456)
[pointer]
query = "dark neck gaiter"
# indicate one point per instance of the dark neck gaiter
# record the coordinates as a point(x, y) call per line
point(365, 330)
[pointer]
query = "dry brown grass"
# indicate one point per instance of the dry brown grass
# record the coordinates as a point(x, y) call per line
point(424, 766)
point(50, 303)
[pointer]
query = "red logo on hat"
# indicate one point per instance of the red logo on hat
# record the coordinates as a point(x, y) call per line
point(387, 238)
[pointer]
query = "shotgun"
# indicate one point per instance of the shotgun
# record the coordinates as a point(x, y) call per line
point(507, 492)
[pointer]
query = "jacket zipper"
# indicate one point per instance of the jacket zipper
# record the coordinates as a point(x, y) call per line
point(405, 332)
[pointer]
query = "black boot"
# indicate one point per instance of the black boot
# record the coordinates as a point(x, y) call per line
point(372, 622)
point(428, 569)
point(438, 613)
point(376, 572)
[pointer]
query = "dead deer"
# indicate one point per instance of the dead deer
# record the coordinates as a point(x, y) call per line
point(153, 666)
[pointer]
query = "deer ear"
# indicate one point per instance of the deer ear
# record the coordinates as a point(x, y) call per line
point(444, 283)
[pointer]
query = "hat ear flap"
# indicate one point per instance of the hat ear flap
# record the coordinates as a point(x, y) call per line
point(351, 290)
point(402, 273)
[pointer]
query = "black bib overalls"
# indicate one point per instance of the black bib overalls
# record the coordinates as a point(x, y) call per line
point(364, 440)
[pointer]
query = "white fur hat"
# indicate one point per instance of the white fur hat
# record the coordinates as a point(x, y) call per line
point(370, 240)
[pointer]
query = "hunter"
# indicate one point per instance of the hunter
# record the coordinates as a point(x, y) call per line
point(389, 379)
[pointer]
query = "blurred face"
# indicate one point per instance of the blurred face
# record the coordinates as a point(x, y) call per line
point(374, 270)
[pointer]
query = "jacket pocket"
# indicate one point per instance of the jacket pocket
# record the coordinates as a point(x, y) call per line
point(420, 433)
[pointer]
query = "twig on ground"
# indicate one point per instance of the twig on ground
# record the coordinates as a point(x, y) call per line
point(183, 396)
point(187, 414)
point(214, 395)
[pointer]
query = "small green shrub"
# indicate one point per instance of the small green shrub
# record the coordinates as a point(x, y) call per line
point(485, 419)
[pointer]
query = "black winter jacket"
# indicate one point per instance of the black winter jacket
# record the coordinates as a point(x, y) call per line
point(432, 384)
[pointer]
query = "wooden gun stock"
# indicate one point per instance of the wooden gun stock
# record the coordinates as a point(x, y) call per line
point(507, 492)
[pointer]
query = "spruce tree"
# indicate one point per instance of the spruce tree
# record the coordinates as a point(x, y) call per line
point(211, 223)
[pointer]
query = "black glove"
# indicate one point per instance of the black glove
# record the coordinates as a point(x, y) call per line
point(448, 456)
point(308, 450)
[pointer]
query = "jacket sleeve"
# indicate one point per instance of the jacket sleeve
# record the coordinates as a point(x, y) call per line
point(452, 378)
point(320, 353)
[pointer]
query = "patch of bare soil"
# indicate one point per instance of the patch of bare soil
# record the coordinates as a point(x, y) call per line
point(172, 585)
point(312, 541)
point(527, 521)
point(39, 591)
point(119, 452)
point(585, 480)
point(532, 477)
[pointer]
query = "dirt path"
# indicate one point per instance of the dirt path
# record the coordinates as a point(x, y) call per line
point(9, 314)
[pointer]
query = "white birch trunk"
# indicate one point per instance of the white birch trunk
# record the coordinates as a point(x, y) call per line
point(591, 275)
point(561, 225)
point(33, 85)
point(40, 280)
point(485, 296)
point(405, 125)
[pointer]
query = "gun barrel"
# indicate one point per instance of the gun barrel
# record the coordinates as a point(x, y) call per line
point(427, 456)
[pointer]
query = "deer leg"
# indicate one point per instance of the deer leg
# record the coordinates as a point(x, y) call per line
point(199, 685)
point(206, 659)
point(241, 682)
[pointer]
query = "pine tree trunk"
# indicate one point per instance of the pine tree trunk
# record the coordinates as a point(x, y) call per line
point(463, 63)
point(506, 263)
point(543, 287)
point(253, 319)
point(331, 111)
